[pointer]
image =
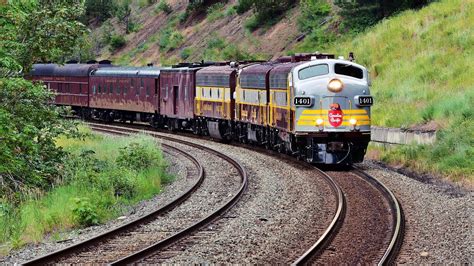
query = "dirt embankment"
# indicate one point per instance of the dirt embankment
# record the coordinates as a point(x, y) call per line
point(197, 32)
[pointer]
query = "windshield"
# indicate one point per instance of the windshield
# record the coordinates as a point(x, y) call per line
point(349, 70)
point(313, 71)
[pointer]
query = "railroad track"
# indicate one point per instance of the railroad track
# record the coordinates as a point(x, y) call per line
point(355, 235)
point(343, 241)
point(333, 246)
point(108, 244)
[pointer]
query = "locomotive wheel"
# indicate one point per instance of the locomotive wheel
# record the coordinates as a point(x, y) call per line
point(268, 145)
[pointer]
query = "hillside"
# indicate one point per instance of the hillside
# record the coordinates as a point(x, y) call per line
point(167, 38)
point(421, 63)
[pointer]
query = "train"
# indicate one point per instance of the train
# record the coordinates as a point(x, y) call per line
point(313, 106)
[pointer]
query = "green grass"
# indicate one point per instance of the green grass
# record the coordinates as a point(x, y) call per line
point(451, 155)
point(421, 66)
point(420, 63)
point(102, 176)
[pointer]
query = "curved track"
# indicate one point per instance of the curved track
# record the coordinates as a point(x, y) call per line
point(359, 235)
point(129, 228)
point(341, 232)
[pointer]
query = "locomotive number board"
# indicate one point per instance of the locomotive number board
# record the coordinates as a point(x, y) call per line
point(365, 100)
point(302, 101)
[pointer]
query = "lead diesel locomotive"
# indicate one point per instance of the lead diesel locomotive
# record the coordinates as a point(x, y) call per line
point(312, 106)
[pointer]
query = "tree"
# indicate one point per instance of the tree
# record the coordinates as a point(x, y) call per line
point(360, 14)
point(39, 31)
point(99, 10)
point(32, 31)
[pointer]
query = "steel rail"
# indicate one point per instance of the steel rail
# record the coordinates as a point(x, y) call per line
point(398, 220)
point(48, 258)
point(396, 239)
point(333, 227)
point(142, 254)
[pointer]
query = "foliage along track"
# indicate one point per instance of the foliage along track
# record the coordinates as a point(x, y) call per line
point(86, 251)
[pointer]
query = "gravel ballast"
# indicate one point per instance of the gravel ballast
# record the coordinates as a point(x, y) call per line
point(285, 210)
point(438, 218)
point(288, 206)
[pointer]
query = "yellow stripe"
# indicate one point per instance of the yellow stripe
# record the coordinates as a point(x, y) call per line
point(245, 89)
point(211, 100)
point(253, 104)
point(211, 87)
point(326, 123)
point(280, 107)
point(347, 117)
point(346, 112)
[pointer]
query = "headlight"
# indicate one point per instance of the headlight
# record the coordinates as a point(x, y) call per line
point(319, 121)
point(335, 85)
point(353, 121)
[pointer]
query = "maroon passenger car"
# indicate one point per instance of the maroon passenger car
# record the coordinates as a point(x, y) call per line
point(177, 92)
point(125, 93)
point(70, 83)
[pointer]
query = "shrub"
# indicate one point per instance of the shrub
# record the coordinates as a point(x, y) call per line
point(133, 27)
point(232, 52)
point(123, 182)
point(312, 15)
point(215, 12)
point(243, 6)
point(215, 43)
point(252, 23)
point(164, 7)
point(138, 156)
point(231, 11)
point(106, 32)
point(84, 212)
point(267, 12)
point(183, 16)
point(361, 14)
point(170, 40)
point(218, 49)
point(185, 53)
point(176, 40)
point(117, 42)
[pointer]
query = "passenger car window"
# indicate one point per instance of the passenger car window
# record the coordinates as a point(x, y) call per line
point(313, 71)
point(349, 70)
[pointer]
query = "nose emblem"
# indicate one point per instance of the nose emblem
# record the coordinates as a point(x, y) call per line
point(335, 115)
